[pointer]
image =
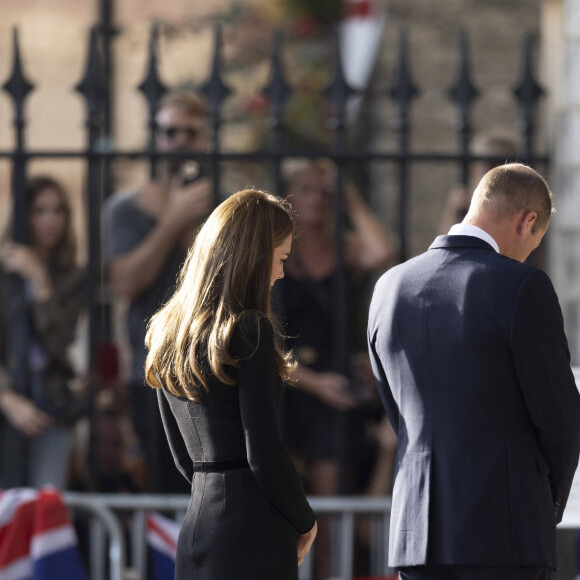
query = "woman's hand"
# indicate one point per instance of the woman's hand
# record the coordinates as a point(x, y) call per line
point(23, 414)
point(20, 259)
point(329, 387)
point(304, 542)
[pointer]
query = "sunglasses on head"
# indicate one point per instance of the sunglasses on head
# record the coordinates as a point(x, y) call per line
point(171, 132)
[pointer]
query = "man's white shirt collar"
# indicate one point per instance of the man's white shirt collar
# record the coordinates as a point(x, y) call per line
point(474, 232)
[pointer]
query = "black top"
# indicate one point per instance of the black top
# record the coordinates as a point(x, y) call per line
point(240, 421)
point(305, 307)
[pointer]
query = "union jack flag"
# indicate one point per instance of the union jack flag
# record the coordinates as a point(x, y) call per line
point(162, 536)
point(37, 539)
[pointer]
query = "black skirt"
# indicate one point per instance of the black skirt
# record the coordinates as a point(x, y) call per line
point(232, 531)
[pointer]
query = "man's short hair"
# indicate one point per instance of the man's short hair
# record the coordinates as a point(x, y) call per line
point(508, 189)
point(191, 103)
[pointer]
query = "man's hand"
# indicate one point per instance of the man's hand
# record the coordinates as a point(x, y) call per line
point(187, 205)
point(304, 542)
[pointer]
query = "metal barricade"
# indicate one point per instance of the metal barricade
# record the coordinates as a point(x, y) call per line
point(103, 519)
point(106, 532)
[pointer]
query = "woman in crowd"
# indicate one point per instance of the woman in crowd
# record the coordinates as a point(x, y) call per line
point(324, 398)
point(53, 290)
point(215, 355)
point(304, 301)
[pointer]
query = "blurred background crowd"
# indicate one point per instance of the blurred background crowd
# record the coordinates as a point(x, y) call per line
point(99, 429)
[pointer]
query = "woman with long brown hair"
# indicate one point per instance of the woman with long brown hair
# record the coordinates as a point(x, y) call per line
point(216, 357)
point(53, 287)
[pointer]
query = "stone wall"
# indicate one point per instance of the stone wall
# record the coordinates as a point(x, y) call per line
point(496, 30)
point(561, 31)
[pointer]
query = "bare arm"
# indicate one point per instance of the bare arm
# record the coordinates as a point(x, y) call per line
point(134, 272)
point(371, 247)
point(329, 387)
point(137, 270)
point(23, 414)
point(21, 259)
point(381, 482)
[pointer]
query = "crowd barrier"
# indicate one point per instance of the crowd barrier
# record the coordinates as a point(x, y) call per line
point(107, 534)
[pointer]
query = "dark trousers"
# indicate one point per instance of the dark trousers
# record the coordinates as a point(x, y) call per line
point(476, 573)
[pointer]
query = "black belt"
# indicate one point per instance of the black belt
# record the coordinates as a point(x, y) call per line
point(227, 465)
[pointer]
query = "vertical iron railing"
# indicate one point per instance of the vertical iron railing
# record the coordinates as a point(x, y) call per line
point(403, 91)
point(15, 444)
point(278, 91)
point(338, 93)
point(463, 92)
point(91, 87)
point(216, 92)
point(107, 32)
point(528, 91)
point(152, 89)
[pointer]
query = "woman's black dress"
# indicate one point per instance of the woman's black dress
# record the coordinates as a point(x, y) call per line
point(247, 501)
point(305, 308)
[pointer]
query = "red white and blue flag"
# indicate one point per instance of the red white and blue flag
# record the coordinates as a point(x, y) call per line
point(37, 539)
point(162, 536)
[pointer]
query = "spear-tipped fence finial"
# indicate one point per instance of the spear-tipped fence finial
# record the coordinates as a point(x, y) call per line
point(152, 87)
point(214, 88)
point(17, 86)
point(338, 91)
point(92, 85)
point(463, 92)
point(277, 90)
point(528, 91)
point(403, 89)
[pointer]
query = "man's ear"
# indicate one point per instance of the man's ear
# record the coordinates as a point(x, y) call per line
point(526, 222)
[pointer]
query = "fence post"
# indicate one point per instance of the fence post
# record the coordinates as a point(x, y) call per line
point(278, 91)
point(339, 92)
point(91, 88)
point(153, 89)
point(107, 33)
point(463, 92)
point(15, 445)
point(403, 92)
point(528, 91)
point(216, 92)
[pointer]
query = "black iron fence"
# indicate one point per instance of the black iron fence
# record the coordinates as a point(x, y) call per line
point(97, 96)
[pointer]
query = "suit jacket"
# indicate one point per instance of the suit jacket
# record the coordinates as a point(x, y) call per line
point(472, 364)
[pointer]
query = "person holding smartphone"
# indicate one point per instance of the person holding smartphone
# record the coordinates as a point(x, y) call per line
point(148, 230)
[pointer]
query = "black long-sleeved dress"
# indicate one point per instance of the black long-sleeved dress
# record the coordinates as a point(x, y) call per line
point(247, 501)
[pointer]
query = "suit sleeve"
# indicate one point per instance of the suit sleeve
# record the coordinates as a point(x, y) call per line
point(542, 362)
point(378, 370)
point(267, 456)
point(174, 437)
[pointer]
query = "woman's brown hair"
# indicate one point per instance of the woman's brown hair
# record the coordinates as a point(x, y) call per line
point(64, 255)
point(227, 273)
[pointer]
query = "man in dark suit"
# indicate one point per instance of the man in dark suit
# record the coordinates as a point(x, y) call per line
point(472, 364)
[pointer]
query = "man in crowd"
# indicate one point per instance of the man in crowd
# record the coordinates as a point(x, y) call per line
point(147, 233)
point(472, 364)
